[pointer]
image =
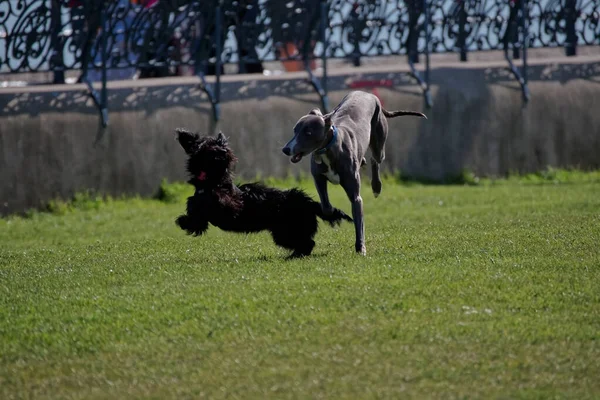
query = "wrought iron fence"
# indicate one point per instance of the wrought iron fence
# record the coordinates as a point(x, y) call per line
point(161, 37)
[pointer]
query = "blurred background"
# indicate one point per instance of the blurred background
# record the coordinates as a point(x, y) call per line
point(91, 91)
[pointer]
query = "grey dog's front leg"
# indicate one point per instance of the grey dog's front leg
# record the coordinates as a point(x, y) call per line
point(359, 226)
point(352, 189)
point(321, 185)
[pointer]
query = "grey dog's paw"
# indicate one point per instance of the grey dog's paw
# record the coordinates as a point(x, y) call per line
point(361, 250)
point(376, 187)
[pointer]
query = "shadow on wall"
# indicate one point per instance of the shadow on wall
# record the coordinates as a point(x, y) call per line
point(440, 148)
point(147, 99)
point(153, 98)
point(474, 124)
point(562, 73)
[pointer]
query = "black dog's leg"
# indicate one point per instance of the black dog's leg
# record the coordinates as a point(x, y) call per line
point(194, 222)
point(303, 249)
point(282, 238)
point(300, 245)
point(191, 225)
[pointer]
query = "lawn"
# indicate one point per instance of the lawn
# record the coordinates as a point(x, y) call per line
point(489, 290)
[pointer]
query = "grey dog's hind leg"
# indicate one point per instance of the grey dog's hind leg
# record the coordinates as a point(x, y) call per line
point(375, 178)
point(379, 129)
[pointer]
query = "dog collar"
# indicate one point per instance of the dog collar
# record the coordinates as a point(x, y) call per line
point(331, 142)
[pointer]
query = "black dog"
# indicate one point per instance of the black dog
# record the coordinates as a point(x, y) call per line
point(290, 215)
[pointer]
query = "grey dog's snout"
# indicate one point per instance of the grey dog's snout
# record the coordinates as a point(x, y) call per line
point(286, 150)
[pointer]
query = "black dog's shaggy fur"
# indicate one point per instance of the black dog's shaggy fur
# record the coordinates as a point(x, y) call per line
point(290, 215)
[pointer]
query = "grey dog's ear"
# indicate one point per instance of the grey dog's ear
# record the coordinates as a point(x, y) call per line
point(315, 111)
point(327, 119)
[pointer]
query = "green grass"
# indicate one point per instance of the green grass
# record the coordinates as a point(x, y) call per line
point(485, 290)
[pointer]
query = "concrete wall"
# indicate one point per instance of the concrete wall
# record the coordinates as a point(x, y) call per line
point(52, 144)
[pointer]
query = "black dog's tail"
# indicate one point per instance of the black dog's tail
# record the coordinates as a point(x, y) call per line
point(400, 113)
point(336, 216)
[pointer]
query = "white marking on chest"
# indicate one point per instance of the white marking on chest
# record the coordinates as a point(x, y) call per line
point(330, 174)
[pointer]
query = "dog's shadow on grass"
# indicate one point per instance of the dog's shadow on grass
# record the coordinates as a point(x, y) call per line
point(285, 257)
point(312, 256)
point(268, 258)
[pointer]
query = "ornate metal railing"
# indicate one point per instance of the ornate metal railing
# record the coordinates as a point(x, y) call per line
point(160, 37)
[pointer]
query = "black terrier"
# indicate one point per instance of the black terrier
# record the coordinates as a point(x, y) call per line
point(290, 215)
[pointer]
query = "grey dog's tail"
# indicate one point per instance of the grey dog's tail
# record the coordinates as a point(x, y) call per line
point(400, 113)
point(335, 218)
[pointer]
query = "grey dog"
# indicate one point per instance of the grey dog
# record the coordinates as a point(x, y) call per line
point(338, 142)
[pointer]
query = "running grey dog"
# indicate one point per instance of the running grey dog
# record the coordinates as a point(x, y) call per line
point(338, 142)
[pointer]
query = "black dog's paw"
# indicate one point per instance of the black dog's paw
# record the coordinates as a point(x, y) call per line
point(337, 216)
point(302, 250)
point(334, 223)
point(183, 221)
point(344, 216)
point(191, 226)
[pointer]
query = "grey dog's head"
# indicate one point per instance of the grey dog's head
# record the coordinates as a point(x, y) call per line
point(310, 133)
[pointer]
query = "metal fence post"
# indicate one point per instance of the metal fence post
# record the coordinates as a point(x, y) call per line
point(428, 99)
point(218, 62)
point(56, 59)
point(518, 19)
point(515, 28)
point(462, 34)
point(323, 31)
point(100, 100)
point(570, 13)
point(319, 85)
point(413, 32)
point(524, 45)
point(412, 43)
point(202, 64)
point(104, 94)
point(355, 34)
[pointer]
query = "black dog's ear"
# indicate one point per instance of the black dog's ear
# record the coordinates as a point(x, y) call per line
point(189, 141)
point(221, 139)
point(315, 111)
